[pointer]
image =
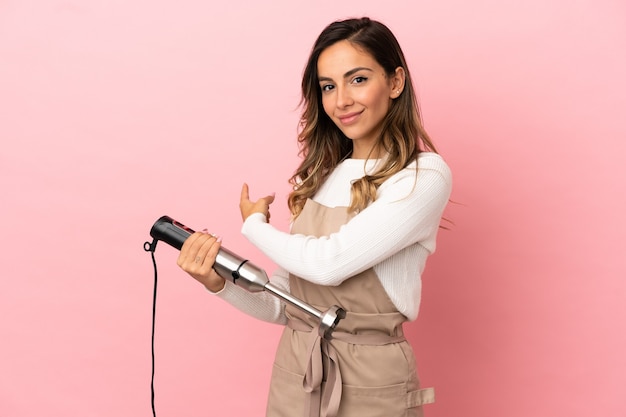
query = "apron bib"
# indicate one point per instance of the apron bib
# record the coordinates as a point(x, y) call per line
point(367, 369)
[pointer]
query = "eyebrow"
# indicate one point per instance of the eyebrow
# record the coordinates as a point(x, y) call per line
point(347, 74)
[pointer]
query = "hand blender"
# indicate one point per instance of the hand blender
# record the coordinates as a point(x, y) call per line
point(245, 274)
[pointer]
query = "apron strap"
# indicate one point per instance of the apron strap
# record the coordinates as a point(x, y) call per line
point(421, 397)
point(324, 399)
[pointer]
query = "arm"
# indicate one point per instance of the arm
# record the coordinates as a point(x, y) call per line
point(406, 211)
point(262, 305)
point(197, 257)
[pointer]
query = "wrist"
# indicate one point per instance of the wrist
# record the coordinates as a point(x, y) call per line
point(216, 285)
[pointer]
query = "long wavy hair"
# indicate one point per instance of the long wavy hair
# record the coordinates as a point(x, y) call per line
point(323, 146)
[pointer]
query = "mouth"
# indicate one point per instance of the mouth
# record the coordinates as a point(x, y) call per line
point(349, 118)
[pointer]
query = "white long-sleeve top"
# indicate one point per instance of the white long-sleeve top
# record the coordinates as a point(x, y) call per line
point(394, 235)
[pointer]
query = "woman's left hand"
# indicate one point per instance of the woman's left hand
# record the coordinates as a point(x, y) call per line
point(247, 207)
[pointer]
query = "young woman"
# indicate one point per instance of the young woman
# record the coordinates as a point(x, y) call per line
point(367, 201)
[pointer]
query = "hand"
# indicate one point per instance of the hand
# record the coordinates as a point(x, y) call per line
point(248, 207)
point(197, 257)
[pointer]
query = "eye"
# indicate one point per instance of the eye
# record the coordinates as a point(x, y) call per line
point(327, 87)
point(359, 80)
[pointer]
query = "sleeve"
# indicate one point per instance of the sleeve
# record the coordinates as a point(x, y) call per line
point(261, 305)
point(408, 209)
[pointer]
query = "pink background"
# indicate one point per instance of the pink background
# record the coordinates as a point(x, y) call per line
point(113, 113)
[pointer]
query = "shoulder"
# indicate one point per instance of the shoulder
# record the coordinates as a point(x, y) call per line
point(428, 167)
point(428, 178)
point(434, 162)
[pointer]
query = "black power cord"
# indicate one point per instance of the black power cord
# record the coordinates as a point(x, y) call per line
point(151, 247)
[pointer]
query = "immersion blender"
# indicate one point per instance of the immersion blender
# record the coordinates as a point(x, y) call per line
point(245, 274)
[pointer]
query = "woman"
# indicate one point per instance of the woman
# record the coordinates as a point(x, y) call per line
point(367, 201)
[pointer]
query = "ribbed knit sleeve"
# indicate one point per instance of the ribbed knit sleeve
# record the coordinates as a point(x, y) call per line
point(261, 305)
point(407, 211)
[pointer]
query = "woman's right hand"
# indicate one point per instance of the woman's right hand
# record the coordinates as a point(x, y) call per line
point(197, 257)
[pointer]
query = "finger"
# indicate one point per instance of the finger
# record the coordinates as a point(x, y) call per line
point(269, 199)
point(213, 251)
point(245, 193)
point(203, 258)
point(194, 255)
point(187, 250)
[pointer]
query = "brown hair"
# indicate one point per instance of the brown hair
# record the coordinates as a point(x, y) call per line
point(323, 145)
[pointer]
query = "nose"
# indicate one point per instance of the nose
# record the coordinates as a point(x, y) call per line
point(344, 99)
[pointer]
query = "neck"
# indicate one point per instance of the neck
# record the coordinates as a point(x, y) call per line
point(365, 152)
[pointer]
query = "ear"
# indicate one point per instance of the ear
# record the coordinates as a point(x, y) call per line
point(396, 82)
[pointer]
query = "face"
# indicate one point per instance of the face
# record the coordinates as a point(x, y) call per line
point(356, 93)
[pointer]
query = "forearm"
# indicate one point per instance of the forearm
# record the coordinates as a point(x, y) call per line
point(261, 305)
point(403, 215)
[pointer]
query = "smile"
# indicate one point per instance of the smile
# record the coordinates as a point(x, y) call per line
point(349, 118)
